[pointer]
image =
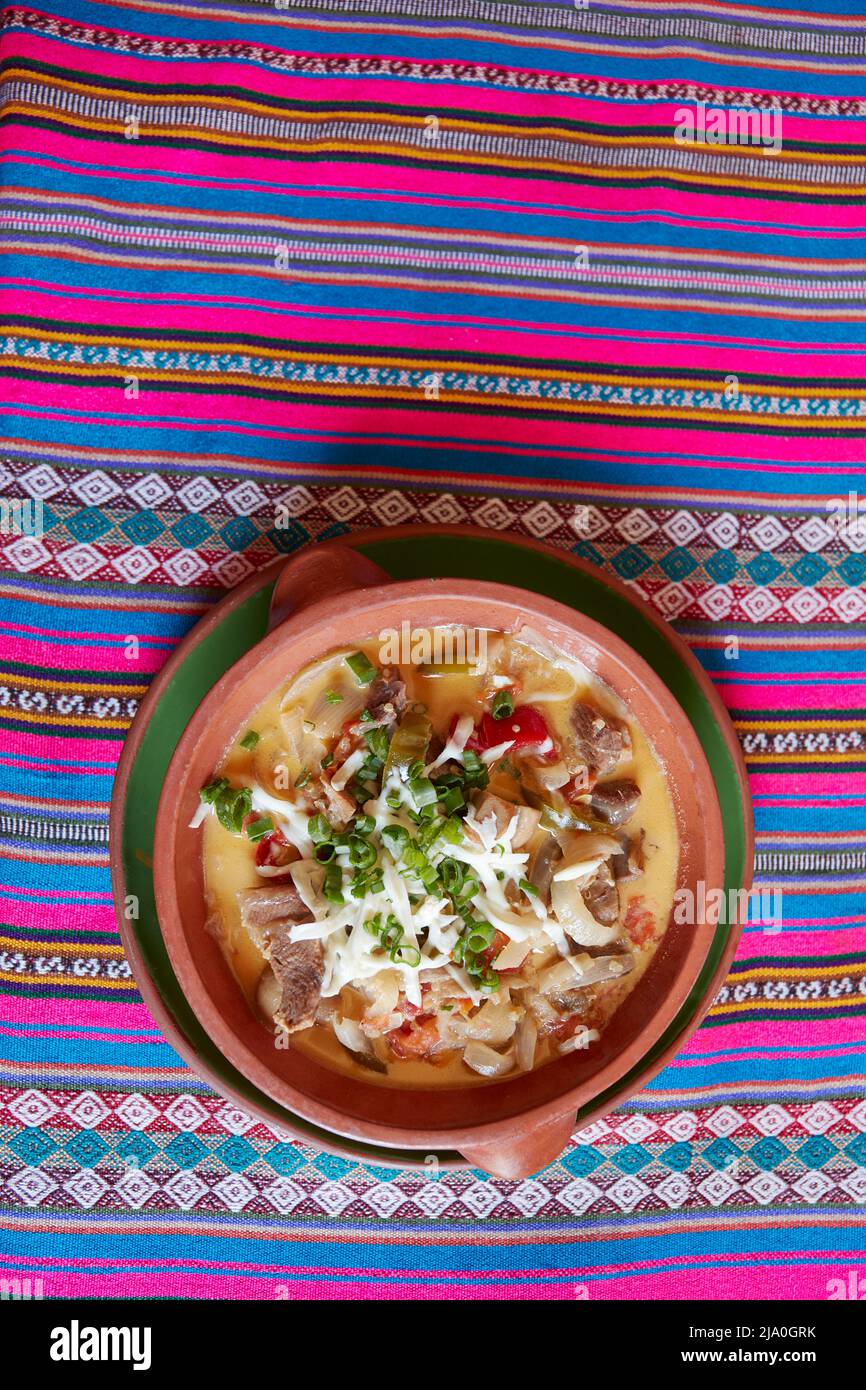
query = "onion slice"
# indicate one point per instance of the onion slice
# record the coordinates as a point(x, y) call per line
point(485, 1061)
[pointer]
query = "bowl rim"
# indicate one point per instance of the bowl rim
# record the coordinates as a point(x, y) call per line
point(194, 986)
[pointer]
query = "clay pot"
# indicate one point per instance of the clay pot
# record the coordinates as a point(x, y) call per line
point(328, 597)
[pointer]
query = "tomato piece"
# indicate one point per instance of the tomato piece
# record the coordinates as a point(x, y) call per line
point(567, 1027)
point(639, 922)
point(499, 942)
point(416, 1039)
point(525, 728)
point(273, 850)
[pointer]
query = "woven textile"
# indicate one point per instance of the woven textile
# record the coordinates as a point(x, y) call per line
point(588, 275)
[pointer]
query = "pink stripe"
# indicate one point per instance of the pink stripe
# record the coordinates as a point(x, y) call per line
point(813, 945)
point(74, 656)
point(89, 1013)
point(776, 1032)
point(796, 697)
point(82, 750)
point(808, 787)
point(396, 180)
point(266, 418)
point(58, 916)
point(733, 1279)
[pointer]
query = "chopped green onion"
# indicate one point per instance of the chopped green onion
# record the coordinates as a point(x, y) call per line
point(405, 954)
point(327, 760)
point(361, 852)
point(489, 982)
point(503, 704)
point(423, 791)
point(258, 829)
point(309, 726)
point(250, 739)
point(333, 697)
point(480, 937)
point(366, 881)
point(364, 824)
point(476, 772)
point(396, 839)
point(377, 741)
point(452, 799)
point(528, 887)
point(319, 829)
point(373, 924)
point(452, 831)
point(325, 852)
point(370, 769)
point(232, 806)
point(361, 667)
point(333, 884)
point(303, 778)
point(392, 934)
point(453, 874)
point(213, 790)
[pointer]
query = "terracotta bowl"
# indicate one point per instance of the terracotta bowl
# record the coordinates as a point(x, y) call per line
point(329, 597)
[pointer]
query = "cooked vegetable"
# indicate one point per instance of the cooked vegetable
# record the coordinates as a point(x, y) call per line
point(575, 917)
point(362, 668)
point(486, 1062)
point(525, 728)
point(409, 744)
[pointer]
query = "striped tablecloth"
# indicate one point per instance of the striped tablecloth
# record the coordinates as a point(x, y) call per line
point(592, 275)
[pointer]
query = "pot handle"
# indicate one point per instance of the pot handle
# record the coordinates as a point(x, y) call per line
point(321, 572)
point(524, 1154)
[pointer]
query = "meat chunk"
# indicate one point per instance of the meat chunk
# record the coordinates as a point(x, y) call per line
point(274, 902)
point(545, 860)
point(630, 861)
point(337, 805)
point(601, 897)
point(387, 698)
point(503, 812)
point(616, 802)
point(299, 966)
point(600, 740)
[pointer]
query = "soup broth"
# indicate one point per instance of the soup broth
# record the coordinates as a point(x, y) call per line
point(439, 872)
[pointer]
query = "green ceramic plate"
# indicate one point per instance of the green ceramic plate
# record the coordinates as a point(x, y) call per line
point(239, 621)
